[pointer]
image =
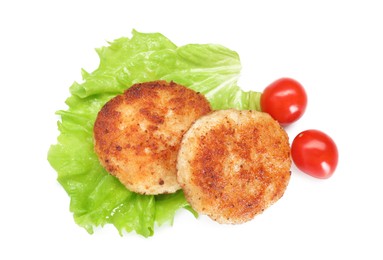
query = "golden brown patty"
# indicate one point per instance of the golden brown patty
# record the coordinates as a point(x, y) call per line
point(234, 164)
point(138, 133)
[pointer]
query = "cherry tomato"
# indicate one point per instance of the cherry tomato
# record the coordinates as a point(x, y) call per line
point(315, 153)
point(285, 100)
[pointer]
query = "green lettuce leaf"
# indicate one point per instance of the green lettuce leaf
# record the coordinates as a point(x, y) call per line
point(97, 198)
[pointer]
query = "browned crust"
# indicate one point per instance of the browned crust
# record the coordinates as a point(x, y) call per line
point(137, 134)
point(234, 164)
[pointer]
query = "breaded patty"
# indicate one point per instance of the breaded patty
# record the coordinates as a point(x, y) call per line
point(137, 134)
point(234, 164)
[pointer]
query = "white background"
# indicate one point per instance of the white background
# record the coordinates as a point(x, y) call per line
point(334, 48)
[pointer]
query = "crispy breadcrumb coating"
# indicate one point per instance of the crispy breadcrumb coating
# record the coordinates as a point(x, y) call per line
point(137, 134)
point(233, 164)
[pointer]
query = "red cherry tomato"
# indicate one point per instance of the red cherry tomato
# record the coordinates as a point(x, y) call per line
point(285, 100)
point(315, 153)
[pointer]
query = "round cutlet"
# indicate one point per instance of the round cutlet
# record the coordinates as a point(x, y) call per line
point(233, 164)
point(137, 134)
